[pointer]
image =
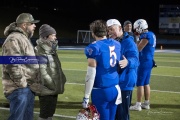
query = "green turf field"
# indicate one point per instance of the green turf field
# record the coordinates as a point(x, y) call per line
point(165, 90)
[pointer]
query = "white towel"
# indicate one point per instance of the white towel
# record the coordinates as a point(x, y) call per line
point(119, 97)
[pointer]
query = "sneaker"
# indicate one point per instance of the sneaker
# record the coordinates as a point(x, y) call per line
point(145, 106)
point(135, 107)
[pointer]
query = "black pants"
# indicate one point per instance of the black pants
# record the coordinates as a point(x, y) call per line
point(47, 105)
point(122, 112)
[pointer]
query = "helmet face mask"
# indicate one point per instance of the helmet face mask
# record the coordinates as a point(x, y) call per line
point(89, 113)
point(140, 25)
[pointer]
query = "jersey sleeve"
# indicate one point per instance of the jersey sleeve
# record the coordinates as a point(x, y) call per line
point(150, 37)
point(91, 51)
point(144, 36)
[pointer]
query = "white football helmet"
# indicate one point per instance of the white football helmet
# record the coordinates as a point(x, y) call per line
point(89, 113)
point(140, 25)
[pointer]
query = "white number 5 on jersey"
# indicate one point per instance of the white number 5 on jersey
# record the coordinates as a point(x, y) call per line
point(113, 56)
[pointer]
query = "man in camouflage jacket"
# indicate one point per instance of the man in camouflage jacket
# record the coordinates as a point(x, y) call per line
point(20, 80)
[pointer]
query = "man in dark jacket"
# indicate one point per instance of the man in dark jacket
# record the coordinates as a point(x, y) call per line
point(127, 26)
point(52, 77)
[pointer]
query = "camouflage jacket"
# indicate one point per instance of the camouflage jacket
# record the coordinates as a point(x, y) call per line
point(16, 76)
point(52, 77)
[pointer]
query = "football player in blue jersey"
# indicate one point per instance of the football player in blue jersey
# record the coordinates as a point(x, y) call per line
point(101, 82)
point(146, 47)
point(128, 74)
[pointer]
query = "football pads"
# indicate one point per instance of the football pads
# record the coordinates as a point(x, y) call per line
point(89, 113)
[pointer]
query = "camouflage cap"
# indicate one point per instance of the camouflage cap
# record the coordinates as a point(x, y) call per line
point(26, 17)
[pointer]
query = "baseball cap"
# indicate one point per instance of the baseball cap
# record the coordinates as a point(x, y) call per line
point(111, 22)
point(127, 22)
point(26, 17)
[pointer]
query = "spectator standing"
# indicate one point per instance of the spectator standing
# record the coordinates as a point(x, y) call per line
point(52, 77)
point(20, 80)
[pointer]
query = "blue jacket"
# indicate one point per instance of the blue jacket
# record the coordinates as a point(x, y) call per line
point(128, 75)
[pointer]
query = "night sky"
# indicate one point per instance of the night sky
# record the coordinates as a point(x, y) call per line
point(85, 11)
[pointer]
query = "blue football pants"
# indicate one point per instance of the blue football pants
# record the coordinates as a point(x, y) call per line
point(104, 100)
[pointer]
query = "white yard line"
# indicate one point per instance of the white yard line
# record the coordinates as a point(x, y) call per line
point(135, 88)
point(151, 74)
point(165, 75)
point(56, 115)
point(165, 91)
point(168, 67)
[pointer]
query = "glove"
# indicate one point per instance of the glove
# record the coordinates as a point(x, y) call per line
point(154, 64)
point(85, 102)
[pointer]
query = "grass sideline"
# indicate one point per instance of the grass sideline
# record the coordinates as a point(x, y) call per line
point(165, 91)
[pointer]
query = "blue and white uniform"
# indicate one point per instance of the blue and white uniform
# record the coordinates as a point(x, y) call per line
point(107, 54)
point(146, 57)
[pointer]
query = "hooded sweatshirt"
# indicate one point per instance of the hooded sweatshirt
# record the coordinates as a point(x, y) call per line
point(15, 76)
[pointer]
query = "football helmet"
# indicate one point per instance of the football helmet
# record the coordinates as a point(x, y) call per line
point(140, 25)
point(89, 113)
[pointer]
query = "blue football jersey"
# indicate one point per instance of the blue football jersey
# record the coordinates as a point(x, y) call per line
point(107, 54)
point(147, 52)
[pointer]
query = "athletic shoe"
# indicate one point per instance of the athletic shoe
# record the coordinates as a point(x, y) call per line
point(135, 107)
point(145, 106)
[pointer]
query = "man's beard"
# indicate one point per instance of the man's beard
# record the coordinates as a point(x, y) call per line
point(29, 33)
